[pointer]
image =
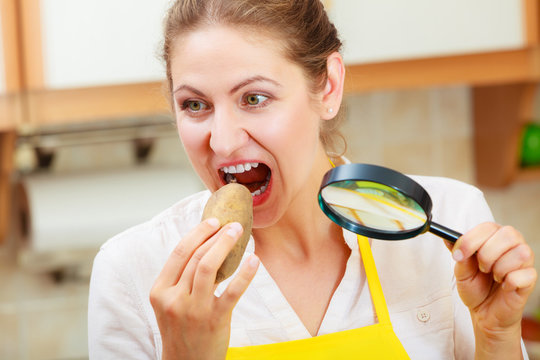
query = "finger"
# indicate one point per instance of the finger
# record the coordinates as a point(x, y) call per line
point(466, 269)
point(522, 281)
point(238, 285)
point(179, 257)
point(185, 284)
point(504, 239)
point(516, 258)
point(469, 243)
point(463, 252)
point(205, 275)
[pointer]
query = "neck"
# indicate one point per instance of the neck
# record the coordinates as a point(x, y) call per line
point(304, 231)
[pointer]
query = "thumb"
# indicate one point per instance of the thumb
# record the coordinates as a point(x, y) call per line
point(473, 285)
point(465, 269)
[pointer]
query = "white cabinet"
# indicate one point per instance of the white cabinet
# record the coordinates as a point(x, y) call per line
point(92, 60)
point(100, 42)
point(389, 30)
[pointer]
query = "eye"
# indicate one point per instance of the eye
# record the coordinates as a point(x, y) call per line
point(194, 106)
point(255, 99)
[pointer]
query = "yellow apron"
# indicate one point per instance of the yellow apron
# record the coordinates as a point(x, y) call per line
point(376, 341)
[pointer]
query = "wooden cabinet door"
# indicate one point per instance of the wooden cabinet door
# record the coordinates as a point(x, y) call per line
point(10, 107)
point(10, 75)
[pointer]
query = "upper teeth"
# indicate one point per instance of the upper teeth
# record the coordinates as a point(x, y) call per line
point(240, 168)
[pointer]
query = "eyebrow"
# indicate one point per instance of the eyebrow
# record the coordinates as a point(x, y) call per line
point(252, 80)
point(189, 88)
point(234, 89)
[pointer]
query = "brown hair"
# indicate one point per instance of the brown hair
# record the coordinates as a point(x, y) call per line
point(302, 26)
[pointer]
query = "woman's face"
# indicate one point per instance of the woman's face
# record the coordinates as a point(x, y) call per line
point(245, 114)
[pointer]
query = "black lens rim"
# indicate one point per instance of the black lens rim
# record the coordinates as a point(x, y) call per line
point(383, 176)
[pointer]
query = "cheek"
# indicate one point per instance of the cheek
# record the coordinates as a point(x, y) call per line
point(299, 129)
point(193, 139)
point(294, 119)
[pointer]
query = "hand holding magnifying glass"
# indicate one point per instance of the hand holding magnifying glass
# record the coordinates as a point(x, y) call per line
point(379, 203)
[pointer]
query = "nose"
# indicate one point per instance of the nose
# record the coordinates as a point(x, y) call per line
point(227, 134)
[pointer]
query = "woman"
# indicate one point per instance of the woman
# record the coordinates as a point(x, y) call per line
point(255, 87)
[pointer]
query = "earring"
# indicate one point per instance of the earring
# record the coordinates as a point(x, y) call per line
point(330, 110)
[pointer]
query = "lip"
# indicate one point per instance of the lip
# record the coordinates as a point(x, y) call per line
point(260, 199)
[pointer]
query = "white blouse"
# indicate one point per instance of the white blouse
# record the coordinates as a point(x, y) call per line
point(416, 276)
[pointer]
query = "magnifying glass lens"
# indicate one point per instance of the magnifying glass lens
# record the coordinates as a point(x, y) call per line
point(374, 205)
point(378, 202)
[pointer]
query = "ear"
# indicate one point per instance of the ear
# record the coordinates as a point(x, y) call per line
point(333, 90)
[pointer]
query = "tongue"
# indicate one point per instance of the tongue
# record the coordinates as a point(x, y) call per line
point(257, 174)
point(253, 179)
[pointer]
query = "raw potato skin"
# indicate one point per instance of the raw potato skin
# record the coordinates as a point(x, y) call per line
point(231, 203)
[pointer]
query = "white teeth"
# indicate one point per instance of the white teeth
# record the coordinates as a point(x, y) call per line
point(263, 188)
point(240, 168)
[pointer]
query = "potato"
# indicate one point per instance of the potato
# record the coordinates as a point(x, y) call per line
point(231, 203)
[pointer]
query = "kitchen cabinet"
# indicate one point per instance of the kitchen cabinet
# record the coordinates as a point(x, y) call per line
point(493, 46)
point(66, 62)
point(87, 60)
point(10, 75)
point(377, 31)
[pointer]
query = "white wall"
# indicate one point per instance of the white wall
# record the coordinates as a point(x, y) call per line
point(101, 42)
point(379, 30)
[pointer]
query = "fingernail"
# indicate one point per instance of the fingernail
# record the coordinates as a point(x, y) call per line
point(254, 261)
point(213, 222)
point(457, 255)
point(234, 229)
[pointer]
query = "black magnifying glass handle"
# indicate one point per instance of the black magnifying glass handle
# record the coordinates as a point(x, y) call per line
point(444, 232)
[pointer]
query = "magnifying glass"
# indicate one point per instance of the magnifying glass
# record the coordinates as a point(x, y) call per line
point(379, 203)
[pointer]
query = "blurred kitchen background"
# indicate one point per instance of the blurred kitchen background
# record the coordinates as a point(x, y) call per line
point(88, 147)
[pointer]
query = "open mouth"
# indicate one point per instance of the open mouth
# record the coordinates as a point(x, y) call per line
point(254, 176)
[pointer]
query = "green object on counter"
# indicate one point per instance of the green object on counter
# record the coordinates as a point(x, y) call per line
point(530, 145)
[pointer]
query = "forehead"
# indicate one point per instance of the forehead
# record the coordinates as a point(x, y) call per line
point(216, 36)
point(225, 50)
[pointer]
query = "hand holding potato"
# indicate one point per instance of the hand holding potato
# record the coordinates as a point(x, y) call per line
point(495, 276)
point(193, 322)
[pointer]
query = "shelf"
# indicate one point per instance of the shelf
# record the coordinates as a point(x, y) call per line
point(10, 112)
point(529, 173)
point(53, 107)
point(490, 68)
